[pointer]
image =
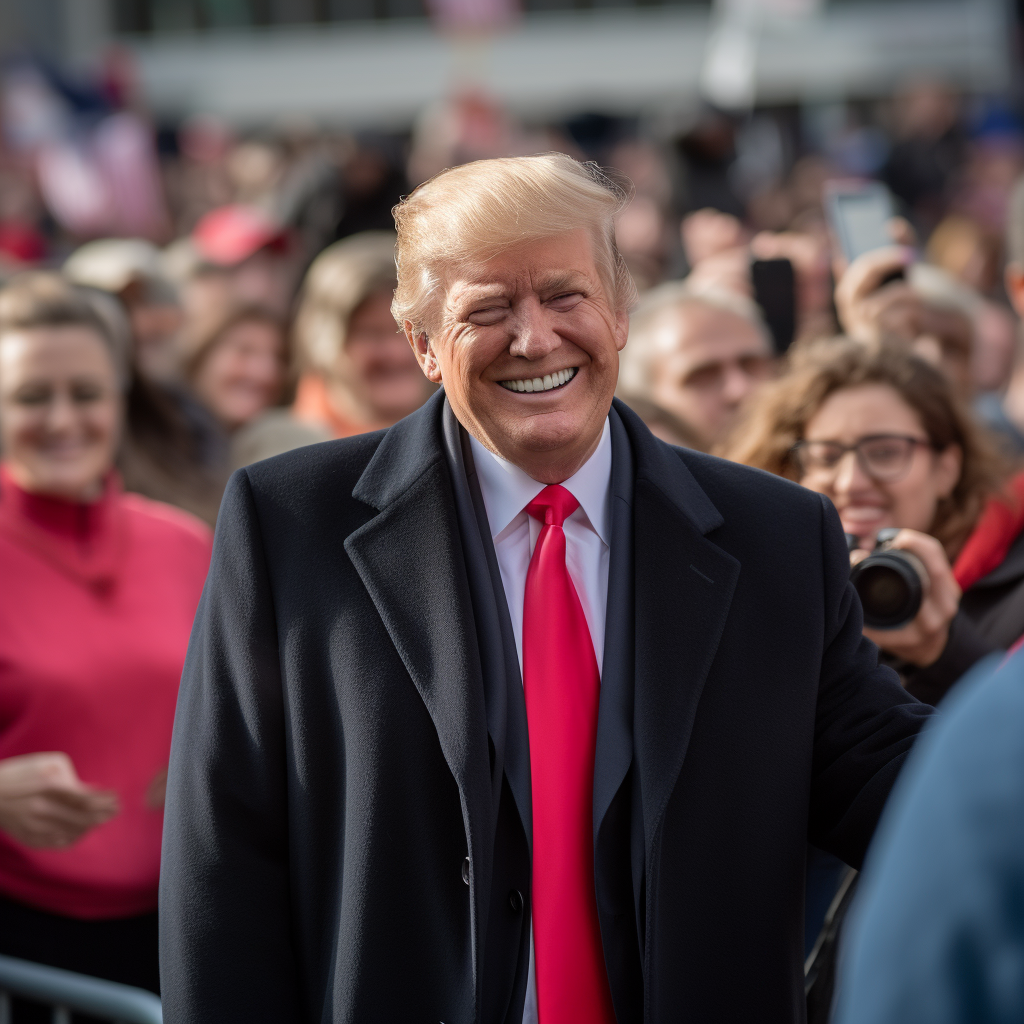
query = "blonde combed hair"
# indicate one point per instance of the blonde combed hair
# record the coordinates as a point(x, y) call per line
point(477, 210)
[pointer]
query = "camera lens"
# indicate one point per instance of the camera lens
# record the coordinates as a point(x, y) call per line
point(890, 589)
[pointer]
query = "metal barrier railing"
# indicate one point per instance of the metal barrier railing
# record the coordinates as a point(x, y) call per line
point(68, 992)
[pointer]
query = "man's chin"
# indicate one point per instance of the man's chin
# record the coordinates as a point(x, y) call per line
point(546, 437)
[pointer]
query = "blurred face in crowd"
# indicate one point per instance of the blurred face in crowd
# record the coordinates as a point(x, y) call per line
point(243, 373)
point(896, 479)
point(156, 322)
point(375, 377)
point(710, 361)
point(995, 347)
point(60, 410)
point(205, 294)
point(528, 351)
point(265, 278)
point(155, 329)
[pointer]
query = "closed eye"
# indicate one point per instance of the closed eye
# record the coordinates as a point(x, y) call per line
point(487, 316)
point(564, 302)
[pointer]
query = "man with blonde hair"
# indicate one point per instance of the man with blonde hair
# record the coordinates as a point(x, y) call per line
point(513, 712)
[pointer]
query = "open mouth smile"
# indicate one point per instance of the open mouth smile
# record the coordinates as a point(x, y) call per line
point(548, 382)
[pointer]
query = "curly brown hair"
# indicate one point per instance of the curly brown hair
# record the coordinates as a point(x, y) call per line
point(776, 418)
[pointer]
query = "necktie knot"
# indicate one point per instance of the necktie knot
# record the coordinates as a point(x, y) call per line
point(553, 505)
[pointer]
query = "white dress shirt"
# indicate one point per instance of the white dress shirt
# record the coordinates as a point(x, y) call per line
point(506, 491)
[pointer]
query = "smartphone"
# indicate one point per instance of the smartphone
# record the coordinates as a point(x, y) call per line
point(775, 292)
point(859, 214)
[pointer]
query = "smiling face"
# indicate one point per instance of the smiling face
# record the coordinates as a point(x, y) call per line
point(60, 410)
point(243, 373)
point(528, 351)
point(375, 380)
point(867, 505)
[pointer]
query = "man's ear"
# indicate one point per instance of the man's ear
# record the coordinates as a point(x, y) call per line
point(424, 352)
point(621, 328)
point(1014, 279)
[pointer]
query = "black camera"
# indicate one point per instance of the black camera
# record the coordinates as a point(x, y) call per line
point(891, 584)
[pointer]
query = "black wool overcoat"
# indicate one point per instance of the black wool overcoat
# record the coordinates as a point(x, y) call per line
point(330, 766)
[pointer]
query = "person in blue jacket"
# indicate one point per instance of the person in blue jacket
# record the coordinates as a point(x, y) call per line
point(937, 933)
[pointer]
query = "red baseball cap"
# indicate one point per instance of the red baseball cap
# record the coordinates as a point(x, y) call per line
point(21, 243)
point(230, 234)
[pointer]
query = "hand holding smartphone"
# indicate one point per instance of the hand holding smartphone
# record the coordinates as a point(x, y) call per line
point(859, 214)
point(775, 292)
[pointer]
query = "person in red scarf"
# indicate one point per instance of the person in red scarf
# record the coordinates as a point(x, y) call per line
point(98, 592)
point(880, 432)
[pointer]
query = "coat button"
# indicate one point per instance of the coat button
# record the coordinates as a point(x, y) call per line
point(515, 900)
point(465, 871)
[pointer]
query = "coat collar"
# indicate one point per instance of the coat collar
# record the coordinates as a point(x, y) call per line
point(415, 443)
point(407, 451)
point(659, 465)
point(684, 583)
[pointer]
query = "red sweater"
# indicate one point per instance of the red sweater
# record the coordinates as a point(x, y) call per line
point(96, 605)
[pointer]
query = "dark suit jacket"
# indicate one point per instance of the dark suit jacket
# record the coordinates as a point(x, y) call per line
point(333, 764)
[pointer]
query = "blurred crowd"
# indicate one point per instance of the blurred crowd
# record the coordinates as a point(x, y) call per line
point(235, 289)
point(251, 268)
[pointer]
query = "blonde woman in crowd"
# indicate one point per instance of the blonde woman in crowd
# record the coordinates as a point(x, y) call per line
point(356, 370)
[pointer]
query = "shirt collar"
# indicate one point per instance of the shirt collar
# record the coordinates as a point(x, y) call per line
point(507, 490)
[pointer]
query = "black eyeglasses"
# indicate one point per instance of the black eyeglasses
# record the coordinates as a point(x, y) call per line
point(883, 457)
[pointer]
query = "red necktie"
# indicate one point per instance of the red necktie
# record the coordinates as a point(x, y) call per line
point(562, 691)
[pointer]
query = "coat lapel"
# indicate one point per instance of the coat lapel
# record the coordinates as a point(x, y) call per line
point(684, 587)
point(410, 560)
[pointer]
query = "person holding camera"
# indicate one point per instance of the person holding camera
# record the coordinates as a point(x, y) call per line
point(879, 431)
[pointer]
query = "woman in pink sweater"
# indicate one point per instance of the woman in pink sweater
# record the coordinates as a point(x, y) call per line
point(97, 593)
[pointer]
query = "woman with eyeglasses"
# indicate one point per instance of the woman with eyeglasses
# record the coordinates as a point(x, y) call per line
point(879, 431)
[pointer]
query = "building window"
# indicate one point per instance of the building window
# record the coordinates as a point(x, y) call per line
point(159, 16)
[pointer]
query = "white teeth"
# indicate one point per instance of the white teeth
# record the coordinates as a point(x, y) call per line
point(545, 383)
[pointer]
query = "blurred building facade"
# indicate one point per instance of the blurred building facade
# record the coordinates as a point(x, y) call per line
point(361, 62)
